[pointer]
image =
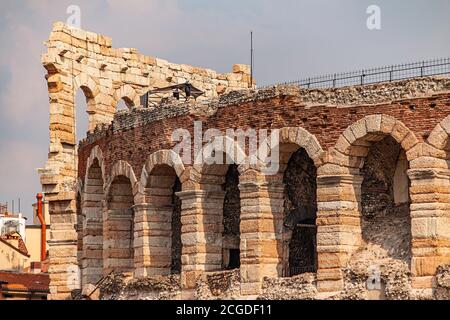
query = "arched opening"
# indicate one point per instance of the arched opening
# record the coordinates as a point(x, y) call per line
point(119, 234)
point(221, 210)
point(175, 266)
point(124, 104)
point(92, 263)
point(231, 219)
point(300, 211)
point(83, 100)
point(165, 231)
point(384, 202)
point(79, 228)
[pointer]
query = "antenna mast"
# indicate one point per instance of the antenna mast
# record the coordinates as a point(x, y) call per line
point(251, 59)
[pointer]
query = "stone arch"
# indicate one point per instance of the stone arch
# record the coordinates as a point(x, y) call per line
point(364, 180)
point(92, 258)
point(89, 87)
point(96, 154)
point(303, 139)
point(440, 135)
point(372, 128)
point(220, 198)
point(232, 153)
point(128, 94)
point(162, 157)
point(352, 147)
point(118, 229)
point(123, 168)
point(436, 151)
point(90, 90)
point(158, 245)
point(300, 154)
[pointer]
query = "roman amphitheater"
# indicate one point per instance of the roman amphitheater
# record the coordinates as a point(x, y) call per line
point(359, 207)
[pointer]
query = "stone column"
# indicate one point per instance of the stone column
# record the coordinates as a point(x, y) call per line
point(117, 245)
point(152, 239)
point(63, 265)
point(58, 179)
point(338, 227)
point(430, 223)
point(92, 233)
point(261, 226)
point(201, 233)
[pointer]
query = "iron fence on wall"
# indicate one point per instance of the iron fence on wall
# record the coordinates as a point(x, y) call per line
point(425, 68)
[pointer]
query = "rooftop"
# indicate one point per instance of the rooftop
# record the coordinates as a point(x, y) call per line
point(24, 282)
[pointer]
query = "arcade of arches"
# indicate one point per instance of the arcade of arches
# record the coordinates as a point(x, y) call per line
point(363, 176)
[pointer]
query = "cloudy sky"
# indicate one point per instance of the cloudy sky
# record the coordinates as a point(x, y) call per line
point(293, 40)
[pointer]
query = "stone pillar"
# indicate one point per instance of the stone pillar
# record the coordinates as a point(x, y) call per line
point(430, 223)
point(117, 244)
point(63, 264)
point(338, 227)
point(201, 233)
point(92, 233)
point(58, 179)
point(261, 226)
point(152, 239)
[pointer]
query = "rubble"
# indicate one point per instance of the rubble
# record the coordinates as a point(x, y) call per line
point(442, 291)
point(125, 287)
point(299, 287)
point(222, 285)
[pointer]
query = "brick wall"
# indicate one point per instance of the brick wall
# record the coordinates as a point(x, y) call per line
point(136, 134)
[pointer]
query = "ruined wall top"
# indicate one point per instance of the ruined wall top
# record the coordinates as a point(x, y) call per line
point(93, 54)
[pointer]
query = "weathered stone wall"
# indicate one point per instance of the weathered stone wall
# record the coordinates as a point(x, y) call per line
point(335, 127)
point(78, 59)
point(81, 59)
point(338, 140)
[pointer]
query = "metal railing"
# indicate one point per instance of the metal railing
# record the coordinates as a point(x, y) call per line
point(425, 68)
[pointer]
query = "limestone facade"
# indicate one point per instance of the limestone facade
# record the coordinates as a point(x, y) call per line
point(336, 138)
point(77, 59)
point(123, 174)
